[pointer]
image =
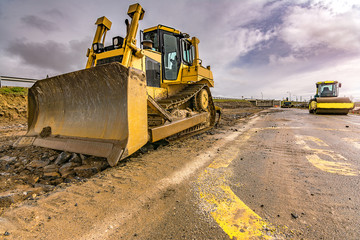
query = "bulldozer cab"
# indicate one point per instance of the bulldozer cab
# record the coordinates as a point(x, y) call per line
point(175, 49)
point(327, 89)
point(166, 52)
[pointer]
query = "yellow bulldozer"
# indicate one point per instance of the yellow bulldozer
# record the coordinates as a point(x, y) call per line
point(326, 100)
point(127, 96)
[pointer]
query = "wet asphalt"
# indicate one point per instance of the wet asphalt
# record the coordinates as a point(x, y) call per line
point(301, 173)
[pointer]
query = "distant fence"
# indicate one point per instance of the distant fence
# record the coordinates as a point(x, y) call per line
point(266, 103)
point(16, 82)
point(227, 98)
point(256, 102)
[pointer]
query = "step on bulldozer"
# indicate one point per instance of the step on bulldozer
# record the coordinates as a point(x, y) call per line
point(326, 100)
point(126, 96)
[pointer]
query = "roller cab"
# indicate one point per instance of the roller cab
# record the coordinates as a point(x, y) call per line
point(326, 100)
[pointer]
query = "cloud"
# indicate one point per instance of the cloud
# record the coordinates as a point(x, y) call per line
point(258, 38)
point(268, 46)
point(318, 27)
point(54, 13)
point(50, 55)
point(277, 48)
point(247, 39)
point(276, 60)
point(39, 23)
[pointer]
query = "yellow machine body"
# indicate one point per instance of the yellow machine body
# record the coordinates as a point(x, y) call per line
point(326, 100)
point(286, 104)
point(126, 96)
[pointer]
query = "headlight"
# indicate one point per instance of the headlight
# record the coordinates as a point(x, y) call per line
point(98, 47)
point(118, 41)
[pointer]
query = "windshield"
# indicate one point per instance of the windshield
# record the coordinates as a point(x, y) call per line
point(327, 90)
point(153, 36)
point(188, 52)
point(170, 57)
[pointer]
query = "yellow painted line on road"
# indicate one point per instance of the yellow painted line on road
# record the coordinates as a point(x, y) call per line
point(236, 219)
point(355, 142)
point(330, 153)
point(340, 168)
point(222, 162)
point(301, 140)
point(313, 128)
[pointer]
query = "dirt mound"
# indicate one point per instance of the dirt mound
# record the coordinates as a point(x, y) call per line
point(233, 104)
point(232, 111)
point(13, 107)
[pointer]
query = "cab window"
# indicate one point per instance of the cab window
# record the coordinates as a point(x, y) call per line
point(152, 72)
point(187, 52)
point(170, 57)
point(327, 90)
point(153, 36)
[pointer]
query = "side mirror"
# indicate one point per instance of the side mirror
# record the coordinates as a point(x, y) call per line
point(339, 85)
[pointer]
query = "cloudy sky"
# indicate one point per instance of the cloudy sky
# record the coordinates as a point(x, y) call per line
point(256, 48)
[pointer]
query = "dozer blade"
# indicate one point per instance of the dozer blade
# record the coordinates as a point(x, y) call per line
point(333, 105)
point(100, 111)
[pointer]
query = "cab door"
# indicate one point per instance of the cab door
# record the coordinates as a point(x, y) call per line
point(170, 56)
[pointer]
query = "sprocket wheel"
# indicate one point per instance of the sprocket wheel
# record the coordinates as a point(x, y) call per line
point(202, 100)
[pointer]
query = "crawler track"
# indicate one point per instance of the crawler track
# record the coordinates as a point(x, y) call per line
point(189, 94)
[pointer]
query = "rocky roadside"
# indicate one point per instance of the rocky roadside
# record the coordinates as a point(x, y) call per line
point(28, 172)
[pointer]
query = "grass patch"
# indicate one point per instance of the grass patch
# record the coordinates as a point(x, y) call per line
point(14, 90)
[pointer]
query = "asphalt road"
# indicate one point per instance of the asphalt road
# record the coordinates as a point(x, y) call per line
point(284, 175)
point(281, 174)
point(300, 172)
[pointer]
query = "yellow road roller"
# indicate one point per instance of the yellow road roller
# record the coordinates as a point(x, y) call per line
point(286, 103)
point(326, 100)
point(126, 96)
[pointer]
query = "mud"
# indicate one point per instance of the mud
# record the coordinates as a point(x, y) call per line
point(13, 108)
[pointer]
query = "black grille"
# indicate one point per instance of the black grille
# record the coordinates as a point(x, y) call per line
point(109, 60)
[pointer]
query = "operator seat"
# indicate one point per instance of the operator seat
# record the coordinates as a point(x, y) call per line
point(326, 92)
